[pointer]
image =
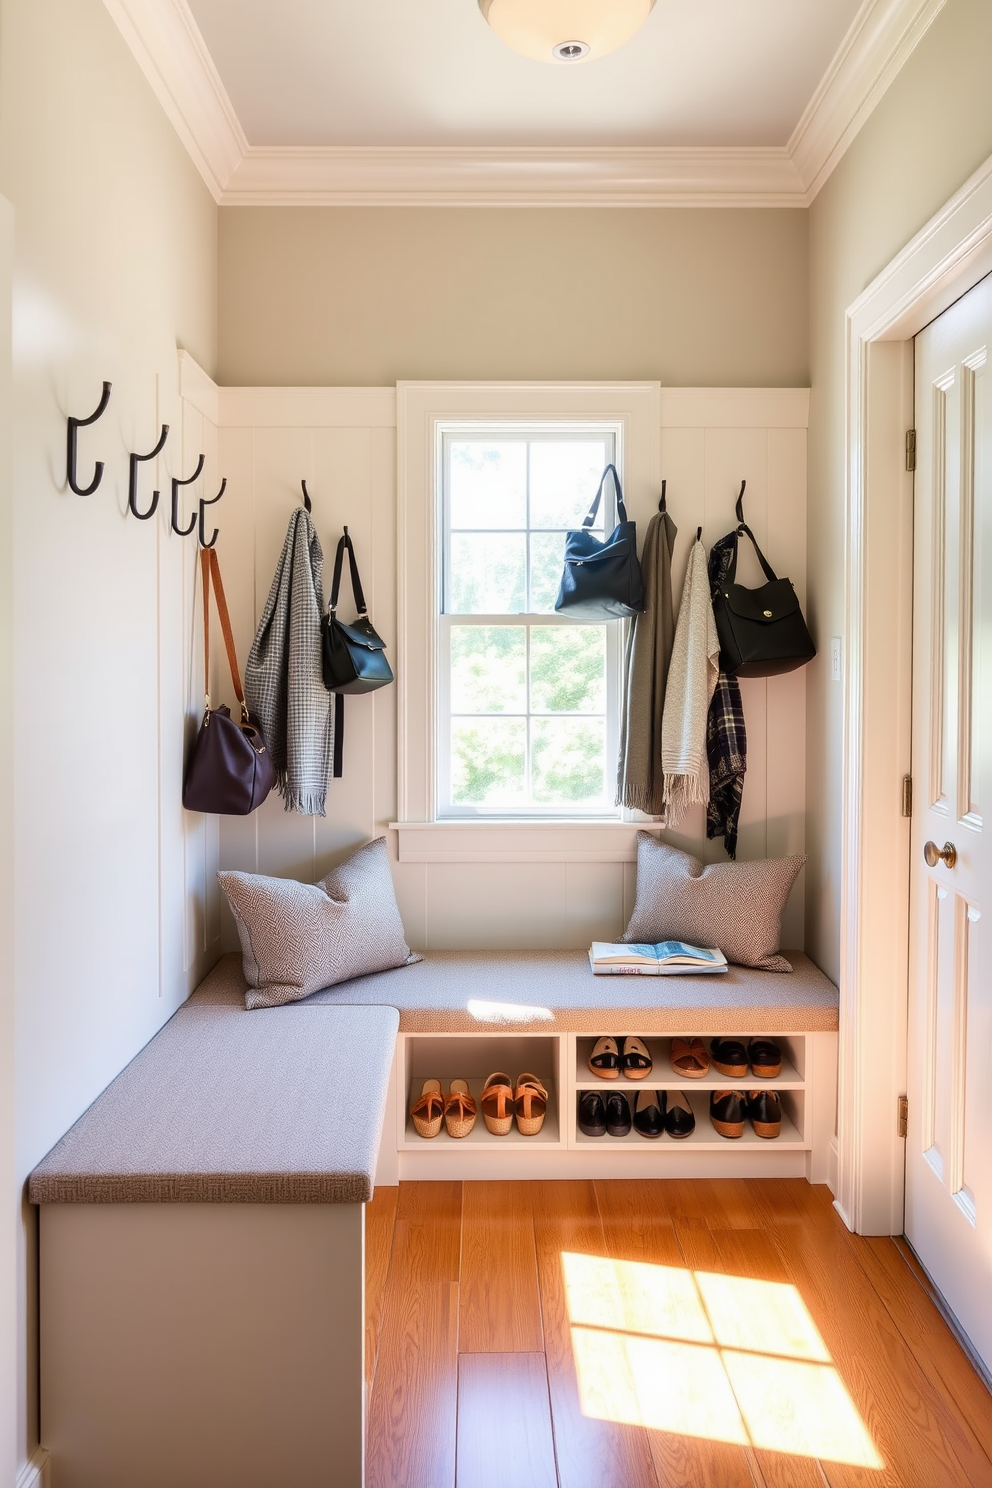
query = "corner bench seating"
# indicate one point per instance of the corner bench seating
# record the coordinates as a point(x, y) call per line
point(463, 991)
point(202, 1224)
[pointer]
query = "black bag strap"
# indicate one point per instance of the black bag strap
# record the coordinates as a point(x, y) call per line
point(621, 509)
point(356, 583)
point(744, 530)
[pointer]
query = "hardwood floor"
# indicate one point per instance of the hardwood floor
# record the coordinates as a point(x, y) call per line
point(656, 1334)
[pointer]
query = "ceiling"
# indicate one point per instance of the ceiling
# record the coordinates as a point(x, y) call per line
point(390, 102)
point(393, 72)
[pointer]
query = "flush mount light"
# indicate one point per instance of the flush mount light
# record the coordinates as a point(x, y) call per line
point(565, 31)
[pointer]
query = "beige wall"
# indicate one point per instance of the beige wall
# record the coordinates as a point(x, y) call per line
point(932, 129)
point(344, 297)
point(114, 262)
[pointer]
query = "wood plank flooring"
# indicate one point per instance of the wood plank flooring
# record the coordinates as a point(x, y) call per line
point(655, 1334)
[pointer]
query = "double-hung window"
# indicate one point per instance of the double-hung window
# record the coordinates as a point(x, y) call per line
point(527, 700)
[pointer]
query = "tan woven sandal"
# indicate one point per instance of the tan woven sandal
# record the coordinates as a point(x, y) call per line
point(459, 1110)
point(497, 1103)
point(531, 1101)
point(428, 1111)
point(689, 1058)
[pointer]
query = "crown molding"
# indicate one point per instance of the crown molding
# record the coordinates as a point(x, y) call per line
point(170, 51)
point(882, 37)
point(172, 54)
point(460, 176)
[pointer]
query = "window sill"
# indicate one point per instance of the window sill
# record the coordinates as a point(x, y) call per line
point(519, 842)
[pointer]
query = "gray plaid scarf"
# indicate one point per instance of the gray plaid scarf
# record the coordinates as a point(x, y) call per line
point(726, 736)
point(284, 685)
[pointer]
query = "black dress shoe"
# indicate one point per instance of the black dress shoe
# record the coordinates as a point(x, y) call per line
point(679, 1120)
point(592, 1114)
point(617, 1114)
point(727, 1111)
point(765, 1110)
point(729, 1057)
point(765, 1057)
point(649, 1113)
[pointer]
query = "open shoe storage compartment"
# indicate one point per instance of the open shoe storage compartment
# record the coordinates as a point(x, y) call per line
point(807, 1085)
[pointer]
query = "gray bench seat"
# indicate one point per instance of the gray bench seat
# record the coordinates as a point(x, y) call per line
point(260, 1109)
point(479, 991)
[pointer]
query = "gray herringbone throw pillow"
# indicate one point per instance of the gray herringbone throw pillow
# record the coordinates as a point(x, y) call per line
point(297, 938)
point(736, 906)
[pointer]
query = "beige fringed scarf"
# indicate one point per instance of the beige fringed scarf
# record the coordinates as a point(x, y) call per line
point(649, 650)
point(692, 676)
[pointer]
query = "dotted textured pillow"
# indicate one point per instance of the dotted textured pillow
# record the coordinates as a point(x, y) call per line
point(736, 906)
point(297, 938)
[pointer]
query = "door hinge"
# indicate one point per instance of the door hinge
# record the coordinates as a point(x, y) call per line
point(910, 449)
point(907, 795)
point(903, 1116)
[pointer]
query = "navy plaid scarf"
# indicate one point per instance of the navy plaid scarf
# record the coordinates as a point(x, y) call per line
point(726, 736)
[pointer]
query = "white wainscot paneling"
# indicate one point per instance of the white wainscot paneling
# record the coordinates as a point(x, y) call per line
point(460, 886)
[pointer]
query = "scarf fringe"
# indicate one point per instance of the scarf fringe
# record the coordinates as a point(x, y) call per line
point(683, 791)
point(640, 797)
point(306, 802)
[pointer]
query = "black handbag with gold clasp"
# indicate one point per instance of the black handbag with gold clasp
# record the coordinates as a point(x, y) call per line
point(762, 631)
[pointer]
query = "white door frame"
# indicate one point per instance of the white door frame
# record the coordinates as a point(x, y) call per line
point(950, 255)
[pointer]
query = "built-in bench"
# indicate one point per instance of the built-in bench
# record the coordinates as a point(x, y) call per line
point(201, 1267)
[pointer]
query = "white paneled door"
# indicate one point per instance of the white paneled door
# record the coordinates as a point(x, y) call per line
point(948, 1174)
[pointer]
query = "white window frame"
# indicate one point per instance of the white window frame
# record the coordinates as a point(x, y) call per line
point(446, 810)
point(423, 411)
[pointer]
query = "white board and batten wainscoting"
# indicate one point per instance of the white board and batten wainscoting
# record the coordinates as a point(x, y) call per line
point(477, 891)
point(496, 886)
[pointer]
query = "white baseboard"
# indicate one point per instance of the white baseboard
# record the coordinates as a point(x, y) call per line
point(34, 1473)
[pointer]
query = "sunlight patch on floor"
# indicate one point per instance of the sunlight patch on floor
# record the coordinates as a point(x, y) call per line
point(727, 1358)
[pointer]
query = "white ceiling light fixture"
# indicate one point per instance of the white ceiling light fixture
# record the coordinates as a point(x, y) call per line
point(565, 31)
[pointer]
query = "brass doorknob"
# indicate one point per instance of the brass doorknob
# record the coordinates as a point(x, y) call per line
point(947, 854)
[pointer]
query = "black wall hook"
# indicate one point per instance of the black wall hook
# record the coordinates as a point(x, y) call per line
point(662, 499)
point(740, 504)
point(176, 483)
point(306, 497)
point(132, 483)
point(75, 424)
point(204, 503)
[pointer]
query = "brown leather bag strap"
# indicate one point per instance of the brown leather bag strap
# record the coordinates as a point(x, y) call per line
point(210, 567)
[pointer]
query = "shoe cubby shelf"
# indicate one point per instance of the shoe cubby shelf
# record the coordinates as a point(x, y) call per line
point(807, 1086)
point(663, 1077)
point(480, 1135)
point(704, 1138)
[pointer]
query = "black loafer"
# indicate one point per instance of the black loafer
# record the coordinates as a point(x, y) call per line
point(617, 1114)
point(729, 1057)
point(592, 1114)
point(765, 1110)
point(649, 1113)
point(765, 1057)
point(727, 1111)
point(679, 1120)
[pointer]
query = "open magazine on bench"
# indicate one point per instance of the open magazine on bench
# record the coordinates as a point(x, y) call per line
point(667, 958)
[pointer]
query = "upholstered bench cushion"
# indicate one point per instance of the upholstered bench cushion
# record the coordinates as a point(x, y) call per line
point(476, 991)
point(253, 1108)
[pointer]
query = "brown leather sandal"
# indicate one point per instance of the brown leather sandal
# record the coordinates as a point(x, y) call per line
point(497, 1103)
point(531, 1101)
point(689, 1058)
point(428, 1111)
point(459, 1110)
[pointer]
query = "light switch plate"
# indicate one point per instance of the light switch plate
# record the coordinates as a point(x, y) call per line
point(835, 658)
